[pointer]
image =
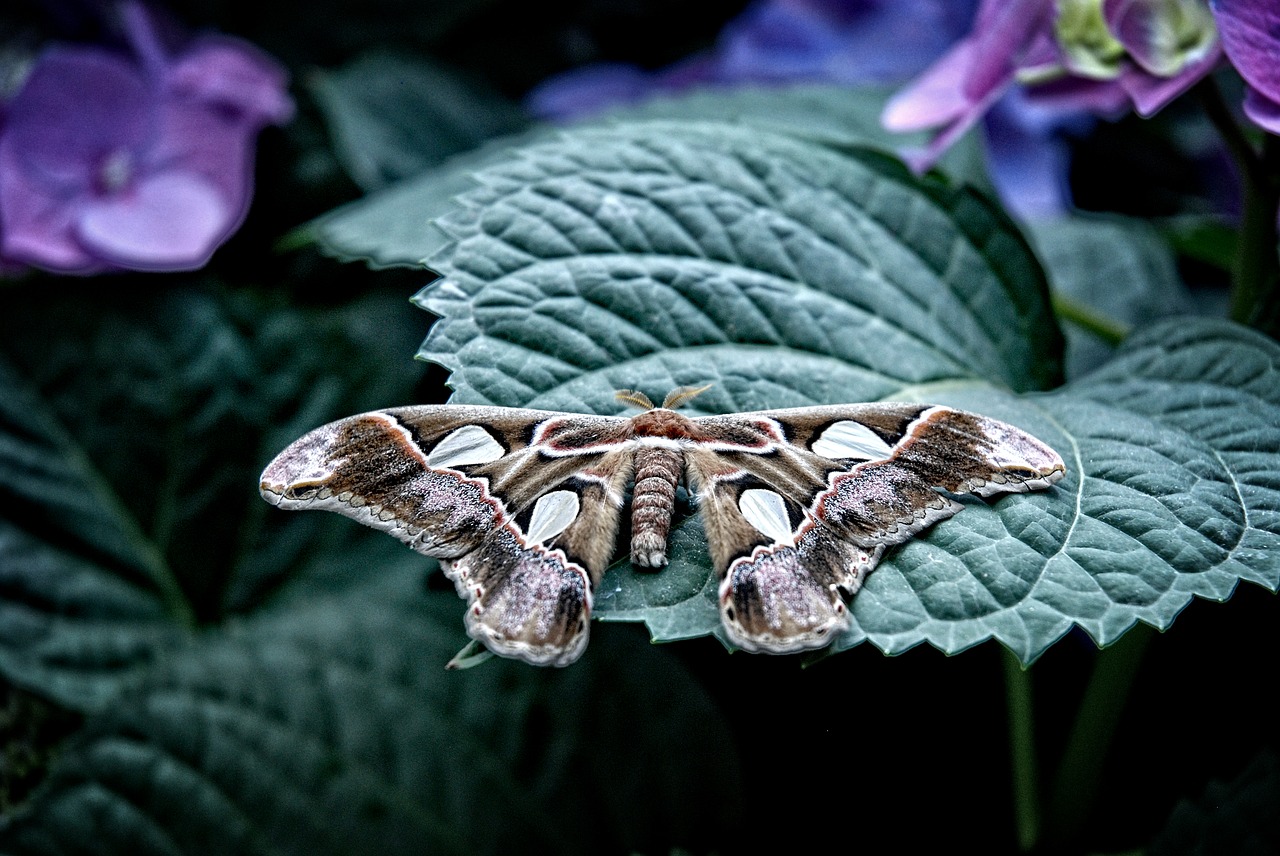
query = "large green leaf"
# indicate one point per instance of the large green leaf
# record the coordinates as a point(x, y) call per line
point(393, 227)
point(130, 442)
point(1172, 491)
point(651, 255)
point(655, 254)
point(333, 728)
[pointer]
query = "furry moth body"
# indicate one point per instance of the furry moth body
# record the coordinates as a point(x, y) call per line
point(523, 507)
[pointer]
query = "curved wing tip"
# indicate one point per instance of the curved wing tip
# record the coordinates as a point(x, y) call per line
point(272, 491)
point(531, 653)
point(772, 643)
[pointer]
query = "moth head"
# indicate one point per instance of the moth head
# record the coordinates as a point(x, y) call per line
point(675, 398)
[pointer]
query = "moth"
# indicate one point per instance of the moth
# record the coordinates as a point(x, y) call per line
point(523, 507)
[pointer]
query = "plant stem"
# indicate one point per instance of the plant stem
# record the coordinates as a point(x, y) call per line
point(1256, 277)
point(1022, 748)
point(1082, 315)
point(1257, 272)
point(1075, 787)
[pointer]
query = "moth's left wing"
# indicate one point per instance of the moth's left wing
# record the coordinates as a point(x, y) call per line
point(520, 506)
point(800, 507)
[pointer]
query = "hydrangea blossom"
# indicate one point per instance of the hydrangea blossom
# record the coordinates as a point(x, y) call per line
point(1105, 56)
point(140, 161)
point(778, 41)
point(1251, 39)
point(852, 42)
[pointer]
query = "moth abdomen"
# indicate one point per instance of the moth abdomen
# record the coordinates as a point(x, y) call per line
point(658, 471)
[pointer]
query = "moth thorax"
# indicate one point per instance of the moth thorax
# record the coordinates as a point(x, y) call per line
point(653, 502)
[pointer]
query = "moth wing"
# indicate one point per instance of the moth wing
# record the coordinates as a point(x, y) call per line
point(774, 596)
point(520, 506)
point(816, 537)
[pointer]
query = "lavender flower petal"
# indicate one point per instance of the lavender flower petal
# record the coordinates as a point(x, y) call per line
point(140, 161)
point(168, 221)
point(1250, 31)
point(957, 90)
point(1150, 93)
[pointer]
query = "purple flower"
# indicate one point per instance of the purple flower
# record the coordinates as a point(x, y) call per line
point(881, 41)
point(969, 78)
point(778, 41)
point(1104, 56)
point(142, 161)
point(1251, 39)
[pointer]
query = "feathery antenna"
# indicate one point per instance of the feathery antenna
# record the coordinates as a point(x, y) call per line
point(634, 398)
point(682, 395)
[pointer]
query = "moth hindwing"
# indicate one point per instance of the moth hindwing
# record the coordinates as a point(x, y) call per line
point(522, 507)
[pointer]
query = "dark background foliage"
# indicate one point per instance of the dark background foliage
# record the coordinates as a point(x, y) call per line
point(177, 388)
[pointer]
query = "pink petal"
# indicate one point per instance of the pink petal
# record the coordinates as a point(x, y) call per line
point(1264, 111)
point(956, 90)
point(41, 234)
point(78, 105)
point(935, 97)
point(1150, 93)
point(1075, 94)
point(220, 71)
point(1005, 38)
point(167, 221)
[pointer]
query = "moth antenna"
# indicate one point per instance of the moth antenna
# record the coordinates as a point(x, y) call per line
point(683, 394)
point(635, 398)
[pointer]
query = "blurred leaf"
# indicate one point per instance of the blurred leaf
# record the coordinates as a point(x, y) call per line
point(391, 117)
point(1205, 239)
point(82, 591)
point(395, 227)
point(333, 728)
point(131, 439)
point(1230, 817)
point(1120, 268)
point(653, 255)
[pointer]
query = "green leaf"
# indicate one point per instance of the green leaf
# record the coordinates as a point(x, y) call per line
point(652, 255)
point(82, 590)
point(394, 227)
point(785, 273)
point(334, 728)
point(391, 117)
point(1118, 268)
point(1205, 238)
point(1171, 492)
point(128, 512)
